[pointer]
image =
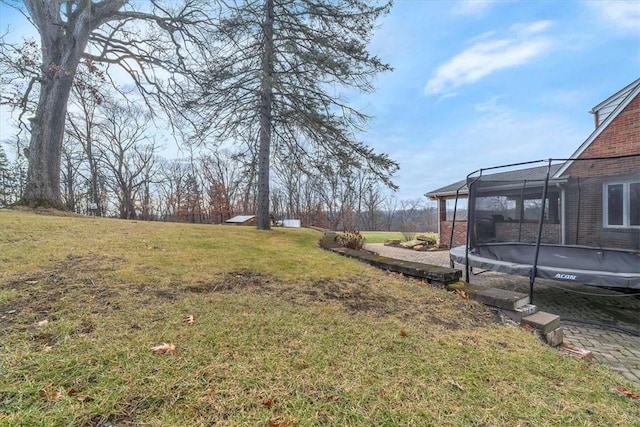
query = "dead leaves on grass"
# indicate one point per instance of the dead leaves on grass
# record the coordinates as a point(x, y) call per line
point(169, 348)
point(462, 294)
point(57, 395)
point(166, 348)
point(624, 392)
point(278, 421)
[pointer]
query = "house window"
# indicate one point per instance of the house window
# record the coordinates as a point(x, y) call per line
point(622, 205)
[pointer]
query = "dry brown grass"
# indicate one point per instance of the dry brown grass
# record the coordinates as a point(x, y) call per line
point(282, 331)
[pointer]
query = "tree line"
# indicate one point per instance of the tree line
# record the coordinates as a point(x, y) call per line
point(255, 91)
point(125, 176)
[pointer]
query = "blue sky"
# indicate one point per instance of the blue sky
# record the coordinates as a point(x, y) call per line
point(483, 83)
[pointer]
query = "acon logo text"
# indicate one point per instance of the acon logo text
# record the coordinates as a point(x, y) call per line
point(565, 276)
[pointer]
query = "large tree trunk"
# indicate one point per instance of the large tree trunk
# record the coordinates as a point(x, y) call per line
point(266, 100)
point(63, 44)
point(43, 175)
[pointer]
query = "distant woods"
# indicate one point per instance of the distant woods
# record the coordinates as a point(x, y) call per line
point(134, 182)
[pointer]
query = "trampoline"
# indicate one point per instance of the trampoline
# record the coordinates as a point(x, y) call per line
point(609, 268)
point(572, 220)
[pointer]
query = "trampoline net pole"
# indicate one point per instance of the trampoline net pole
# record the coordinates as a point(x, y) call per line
point(453, 224)
point(534, 267)
point(470, 226)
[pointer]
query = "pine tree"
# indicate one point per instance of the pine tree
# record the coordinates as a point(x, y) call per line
point(281, 72)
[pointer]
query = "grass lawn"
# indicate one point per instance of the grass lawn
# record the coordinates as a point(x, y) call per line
point(268, 329)
point(381, 236)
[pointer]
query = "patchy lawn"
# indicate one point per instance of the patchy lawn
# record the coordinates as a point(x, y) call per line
point(265, 329)
point(381, 236)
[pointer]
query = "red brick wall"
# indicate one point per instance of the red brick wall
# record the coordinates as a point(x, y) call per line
point(584, 212)
point(584, 196)
point(459, 235)
point(621, 137)
point(528, 232)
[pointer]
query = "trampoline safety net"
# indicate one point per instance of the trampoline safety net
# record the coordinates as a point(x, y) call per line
point(576, 220)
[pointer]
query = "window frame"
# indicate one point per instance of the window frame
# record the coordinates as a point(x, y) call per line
point(626, 204)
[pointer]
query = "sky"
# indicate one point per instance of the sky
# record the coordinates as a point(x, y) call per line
point(484, 83)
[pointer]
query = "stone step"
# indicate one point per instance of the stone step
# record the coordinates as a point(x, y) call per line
point(520, 313)
point(555, 337)
point(502, 298)
point(543, 322)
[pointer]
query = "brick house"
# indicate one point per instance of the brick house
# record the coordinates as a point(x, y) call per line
point(591, 201)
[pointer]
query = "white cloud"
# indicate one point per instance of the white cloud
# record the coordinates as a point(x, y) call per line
point(472, 7)
point(487, 55)
point(623, 15)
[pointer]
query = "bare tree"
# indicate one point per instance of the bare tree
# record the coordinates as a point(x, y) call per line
point(224, 178)
point(87, 96)
point(172, 187)
point(128, 152)
point(140, 41)
point(276, 73)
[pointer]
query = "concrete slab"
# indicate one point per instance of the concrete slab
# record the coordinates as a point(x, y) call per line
point(502, 298)
point(543, 322)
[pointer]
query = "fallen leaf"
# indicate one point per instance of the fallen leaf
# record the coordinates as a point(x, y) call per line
point(47, 348)
point(624, 392)
point(403, 334)
point(72, 392)
point(165, 348)
point(462, 294)
point(56, 395)
point(31, 282)
point(334, 398)
point(381, 392)
point(42, 322)
point(84, 399)
point(189, 319)
point(278, 422)
point(42, 394)
point(267, 402)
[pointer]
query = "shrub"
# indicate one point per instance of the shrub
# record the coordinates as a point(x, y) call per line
point(350, 239)
point(408, 230)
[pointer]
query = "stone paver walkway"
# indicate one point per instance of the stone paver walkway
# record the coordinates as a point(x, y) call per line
point(605, 322)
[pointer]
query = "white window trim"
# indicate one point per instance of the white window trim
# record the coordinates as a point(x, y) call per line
point(626, 209)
